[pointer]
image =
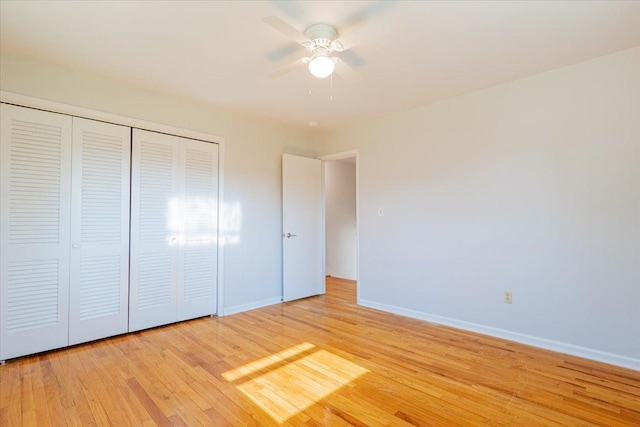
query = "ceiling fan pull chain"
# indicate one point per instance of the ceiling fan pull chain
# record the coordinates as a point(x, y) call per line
point(331, 95)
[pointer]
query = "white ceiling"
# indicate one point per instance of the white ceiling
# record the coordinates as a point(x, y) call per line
point(411, 52)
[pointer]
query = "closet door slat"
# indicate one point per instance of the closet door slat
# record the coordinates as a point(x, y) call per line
point(35, 179)
point(155, 231)
point(100, 230)
point(197, 251)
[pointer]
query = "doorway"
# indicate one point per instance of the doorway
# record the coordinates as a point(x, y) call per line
point(340, 184)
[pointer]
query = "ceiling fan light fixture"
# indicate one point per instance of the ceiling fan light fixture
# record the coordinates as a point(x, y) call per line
point(321, 65)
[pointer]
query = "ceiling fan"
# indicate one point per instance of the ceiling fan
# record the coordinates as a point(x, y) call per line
point(321, 41)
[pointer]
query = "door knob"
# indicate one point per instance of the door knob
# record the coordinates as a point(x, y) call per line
point(289, 235)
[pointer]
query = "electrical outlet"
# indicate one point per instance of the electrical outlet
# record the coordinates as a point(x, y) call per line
point(508, 297)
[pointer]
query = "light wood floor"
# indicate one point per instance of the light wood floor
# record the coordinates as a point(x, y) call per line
point(321, 361)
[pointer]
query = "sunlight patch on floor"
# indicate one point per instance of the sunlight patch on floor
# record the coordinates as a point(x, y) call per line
point(265, 362)
point(290, 389)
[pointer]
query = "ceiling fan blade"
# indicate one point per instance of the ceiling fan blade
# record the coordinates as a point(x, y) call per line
point(345, 71)
point(352, 58)
point(353, 31)
point(352, 39)
point(290, 8)
point(288, 68)
point(286, 29)
point(283, 52)
point(366, 13)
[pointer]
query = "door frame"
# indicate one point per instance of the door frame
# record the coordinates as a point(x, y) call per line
point(326, 158)
point(117, 119)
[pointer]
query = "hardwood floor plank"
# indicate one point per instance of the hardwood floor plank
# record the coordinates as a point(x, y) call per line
point(39, 391)
point(356, 366)
point(146, 400)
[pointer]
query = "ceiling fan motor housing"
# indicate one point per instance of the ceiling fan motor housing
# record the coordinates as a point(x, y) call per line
point(322, 35)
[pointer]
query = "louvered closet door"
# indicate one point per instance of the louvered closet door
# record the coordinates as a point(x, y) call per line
point(35, 179)
point(155, 208)
point(197, 266)
point(99, 288)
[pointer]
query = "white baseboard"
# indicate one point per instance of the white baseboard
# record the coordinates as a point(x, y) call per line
point(251, 306)
point(587, 353)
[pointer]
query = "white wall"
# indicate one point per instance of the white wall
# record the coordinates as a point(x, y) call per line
point(532, 187)
point(252, 269)
point(340, 219)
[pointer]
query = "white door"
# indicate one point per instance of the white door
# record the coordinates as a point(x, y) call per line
point(301, 227)
point(154, 238)
point(174, 229)
point(35, 180)
point(99, 297)
point(198, 229)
